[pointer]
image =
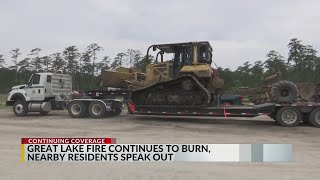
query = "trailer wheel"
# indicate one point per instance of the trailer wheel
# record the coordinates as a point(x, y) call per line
point(97, 109)
point(77, 109)
point(288, 116)
point(20, 108)
point(314, 118)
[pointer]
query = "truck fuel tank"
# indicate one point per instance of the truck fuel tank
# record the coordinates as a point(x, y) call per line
point(39, 106)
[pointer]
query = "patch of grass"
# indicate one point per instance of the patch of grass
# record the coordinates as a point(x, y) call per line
point(3, 98)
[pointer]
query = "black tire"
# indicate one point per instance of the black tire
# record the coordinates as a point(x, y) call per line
point(20, 108)
point(284, 92)
point(314, 118)
point(116, 111)
point(77, 109)
point(288, 116)
point(97, 109)
point(43, 113)
point(116, 108)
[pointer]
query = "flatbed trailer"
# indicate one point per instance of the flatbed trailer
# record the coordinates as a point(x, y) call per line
point(288, 115)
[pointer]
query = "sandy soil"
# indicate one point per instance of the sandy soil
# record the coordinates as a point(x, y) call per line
point(137, 129)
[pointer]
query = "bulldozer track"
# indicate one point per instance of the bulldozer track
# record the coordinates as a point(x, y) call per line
point(149, 89)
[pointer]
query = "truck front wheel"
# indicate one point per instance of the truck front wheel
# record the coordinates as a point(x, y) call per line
point(97, 109)
point(20, 108)
point(77, 109)
point(288, 116)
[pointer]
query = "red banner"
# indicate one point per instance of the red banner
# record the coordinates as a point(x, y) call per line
point(68, 141)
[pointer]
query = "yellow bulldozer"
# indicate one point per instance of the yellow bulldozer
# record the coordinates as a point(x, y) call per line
point(186, 79)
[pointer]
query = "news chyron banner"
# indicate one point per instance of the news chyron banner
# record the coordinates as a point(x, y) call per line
point(106, 150)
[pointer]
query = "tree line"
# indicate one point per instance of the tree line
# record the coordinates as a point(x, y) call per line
point(84, 67)
point(302, 65)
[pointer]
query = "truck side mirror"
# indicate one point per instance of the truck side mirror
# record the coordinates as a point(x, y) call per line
point(154, 48)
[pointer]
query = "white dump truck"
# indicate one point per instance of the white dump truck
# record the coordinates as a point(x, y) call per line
point(50, 91)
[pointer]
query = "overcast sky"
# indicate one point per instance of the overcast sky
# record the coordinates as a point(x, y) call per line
point(238, 30)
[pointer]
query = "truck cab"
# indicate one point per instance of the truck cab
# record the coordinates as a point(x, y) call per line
point(39, 92)
point(39, 86)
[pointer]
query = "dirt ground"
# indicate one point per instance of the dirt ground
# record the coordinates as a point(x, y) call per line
point(137, 129)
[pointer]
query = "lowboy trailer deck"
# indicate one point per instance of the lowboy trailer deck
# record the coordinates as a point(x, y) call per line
point(288, 115)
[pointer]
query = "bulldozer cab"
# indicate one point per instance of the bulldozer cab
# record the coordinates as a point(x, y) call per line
point(190, 53)
point(185, 53)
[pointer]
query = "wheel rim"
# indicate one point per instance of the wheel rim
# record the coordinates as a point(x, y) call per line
point(75, 109)
point(96, 109)
point(317, 117)
point(19, 108)
point(289, 116)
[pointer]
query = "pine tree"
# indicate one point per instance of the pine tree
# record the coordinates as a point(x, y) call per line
point(317, 69)
point(58, 64)
point(296, 50)
point(118, 61)
point(47, 62)
point(104, 64)
point(137, 57)
point(244, 74)
point(142, 63)
point(2, 62)
point(86, 66)
point(132, 56)
point(24, 65)
point(304, 58)
point(24, 69)
point(35, 59)
point(114, 65)
point(71, 55)
point(86, 71)
point(92, 50)
point(257, 72)
point(14, 55)
point(275, 62)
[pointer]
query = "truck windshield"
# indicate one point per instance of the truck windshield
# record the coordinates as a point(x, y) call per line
point(34, 79)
